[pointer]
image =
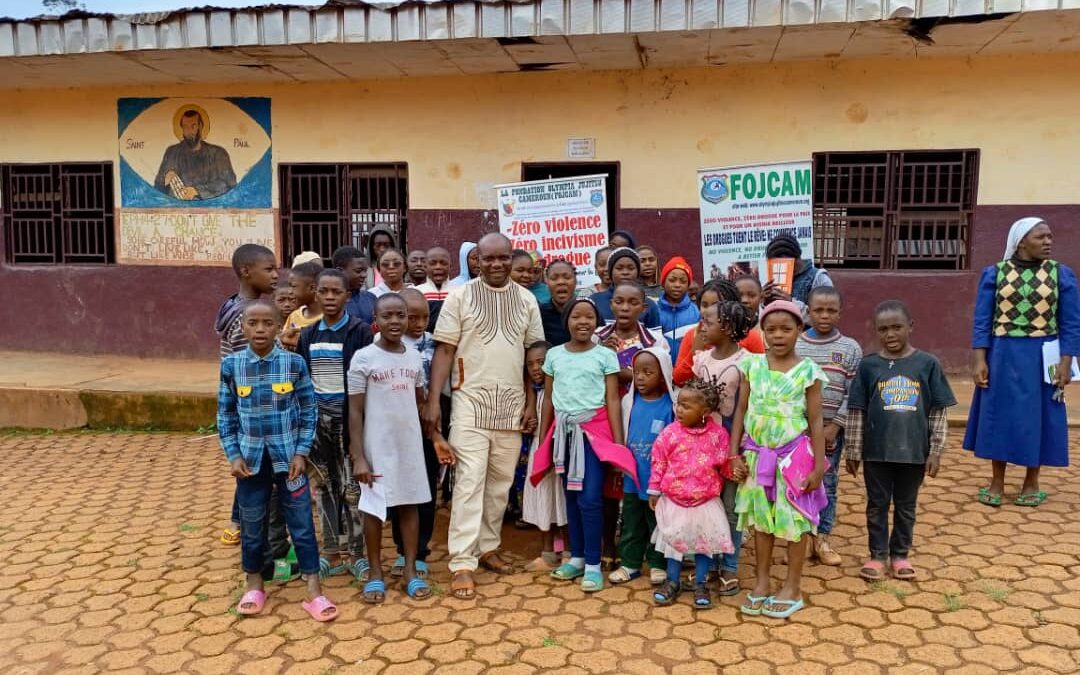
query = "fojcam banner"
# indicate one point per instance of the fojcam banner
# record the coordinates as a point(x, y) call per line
point(744, 207)
point(558, 218)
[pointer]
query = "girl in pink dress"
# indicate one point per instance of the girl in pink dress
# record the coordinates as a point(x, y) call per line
point(690, 459)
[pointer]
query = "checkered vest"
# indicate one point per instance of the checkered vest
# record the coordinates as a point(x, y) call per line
point(1026, 300)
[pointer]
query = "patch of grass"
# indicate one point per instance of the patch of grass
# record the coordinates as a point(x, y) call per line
point(232, 610)
point(283, 633)
point(997, 593)
point(202, 597)
point(19, 431)
point(188, 527)
point(329, 671)
point(953, 602)
point(551, 642)
point(886, 587)
point(207, 429)
point(133, 562)
point(1037, 615)
point(436, 590)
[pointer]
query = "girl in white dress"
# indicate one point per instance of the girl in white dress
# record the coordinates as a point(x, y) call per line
point(386, 382)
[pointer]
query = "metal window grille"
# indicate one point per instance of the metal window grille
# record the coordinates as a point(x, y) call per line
point(895, 210)
point(324, 206)
point(58, 213)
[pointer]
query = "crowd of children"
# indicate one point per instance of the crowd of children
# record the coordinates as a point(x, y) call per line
point(672, 420)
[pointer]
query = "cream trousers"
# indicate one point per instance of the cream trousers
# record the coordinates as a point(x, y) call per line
point(486, 461)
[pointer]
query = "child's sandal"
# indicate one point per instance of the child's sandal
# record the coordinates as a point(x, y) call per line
point(374, 591)
point(251, 603)
point(320, 609)
point(903, 570)
point(666, 593)
point(872, 570)
point(361, 569)
point(230, 537)
point(418, 589)
point(623, 575)
point(592, 582)
point(702, 596)
point(728, 587)
point(328, 570)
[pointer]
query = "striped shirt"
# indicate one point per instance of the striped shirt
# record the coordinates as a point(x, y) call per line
point(839, 357)
point(326, 361)
point(265, 404)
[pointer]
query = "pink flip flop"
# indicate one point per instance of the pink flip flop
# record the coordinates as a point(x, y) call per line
point(257, 598)
point(319, 605)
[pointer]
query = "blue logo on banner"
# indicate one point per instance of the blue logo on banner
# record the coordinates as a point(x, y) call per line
point(714, 188)
point(596, 198)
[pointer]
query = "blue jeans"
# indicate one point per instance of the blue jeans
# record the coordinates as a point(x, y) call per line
point(832, 477)
point(702, 564)
point(253, 496)
point(585, 511)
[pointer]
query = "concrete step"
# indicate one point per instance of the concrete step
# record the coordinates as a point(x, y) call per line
point(62, 391)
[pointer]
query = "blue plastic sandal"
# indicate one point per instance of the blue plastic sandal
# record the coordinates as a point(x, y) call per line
point(754, 604)
point(374, 591)
point(592, 582)
point(792, 607)
point(421, 569)
point(361, 569)
point(328, 570)
point(398, 568)
point(415, 585)
point(567, 572)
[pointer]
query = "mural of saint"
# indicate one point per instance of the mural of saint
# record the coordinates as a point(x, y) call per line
point(194, 169)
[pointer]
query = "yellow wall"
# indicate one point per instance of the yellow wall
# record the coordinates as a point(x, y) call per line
point(461, 135)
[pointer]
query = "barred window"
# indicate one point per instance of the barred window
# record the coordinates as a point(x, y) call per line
point(895, 209)
point(324, 206)
point(58, 213)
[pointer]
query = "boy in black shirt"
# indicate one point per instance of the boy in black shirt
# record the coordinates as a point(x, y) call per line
point(897, 426)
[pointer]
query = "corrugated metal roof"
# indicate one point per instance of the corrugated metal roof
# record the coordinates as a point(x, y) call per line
point(347, 22)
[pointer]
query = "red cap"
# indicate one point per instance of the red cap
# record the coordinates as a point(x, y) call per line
point(677, 263)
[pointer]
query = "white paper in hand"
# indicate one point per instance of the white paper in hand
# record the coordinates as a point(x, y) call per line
point(1052, 358)
point(373, 501)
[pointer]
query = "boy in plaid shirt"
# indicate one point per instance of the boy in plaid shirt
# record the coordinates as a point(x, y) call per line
point(266, 424)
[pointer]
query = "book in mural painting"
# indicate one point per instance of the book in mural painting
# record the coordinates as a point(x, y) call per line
point(195, 178)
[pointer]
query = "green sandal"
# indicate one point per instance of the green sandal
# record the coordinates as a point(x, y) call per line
point(567, 572)
point(1031, 498)
point(988, 499)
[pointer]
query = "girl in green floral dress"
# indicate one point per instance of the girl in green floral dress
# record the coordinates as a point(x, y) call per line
point(784, 448)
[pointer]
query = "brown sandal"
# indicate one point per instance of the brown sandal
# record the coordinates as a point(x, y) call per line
point(462, 585)
point(492, 561)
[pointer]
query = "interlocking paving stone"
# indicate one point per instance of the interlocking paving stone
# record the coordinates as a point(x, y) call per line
point(112, 564)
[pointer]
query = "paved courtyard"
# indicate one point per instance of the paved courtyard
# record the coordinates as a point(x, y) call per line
point(111, 564)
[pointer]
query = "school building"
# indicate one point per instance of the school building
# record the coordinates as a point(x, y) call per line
point(136, 151)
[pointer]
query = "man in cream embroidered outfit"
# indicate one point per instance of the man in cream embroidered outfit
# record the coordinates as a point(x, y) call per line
point(481, 335)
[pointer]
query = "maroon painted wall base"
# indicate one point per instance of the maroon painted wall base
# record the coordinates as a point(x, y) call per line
point(169, 311)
